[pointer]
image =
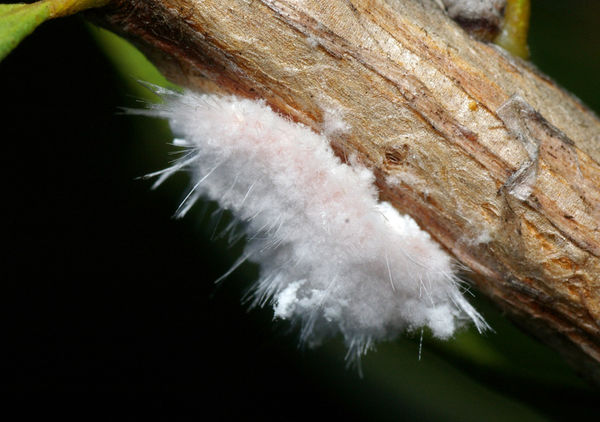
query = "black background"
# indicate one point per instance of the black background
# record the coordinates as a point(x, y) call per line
point(103, 291)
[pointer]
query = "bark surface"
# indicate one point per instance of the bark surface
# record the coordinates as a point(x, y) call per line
point(488, 155)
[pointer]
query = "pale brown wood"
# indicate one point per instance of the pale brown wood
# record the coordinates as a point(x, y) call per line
point(509, 185)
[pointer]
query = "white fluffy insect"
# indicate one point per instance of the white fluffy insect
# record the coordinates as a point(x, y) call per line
point(332, 257)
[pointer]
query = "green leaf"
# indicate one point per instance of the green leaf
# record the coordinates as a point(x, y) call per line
point(19, 20)
point(130, 63)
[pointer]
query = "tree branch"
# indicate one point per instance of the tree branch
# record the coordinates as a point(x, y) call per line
point(489, 156)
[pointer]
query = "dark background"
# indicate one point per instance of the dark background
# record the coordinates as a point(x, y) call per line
point(103, 291)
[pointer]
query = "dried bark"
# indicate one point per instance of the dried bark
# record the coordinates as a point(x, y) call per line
point(489, 156)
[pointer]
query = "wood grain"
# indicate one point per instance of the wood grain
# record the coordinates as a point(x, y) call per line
point(422, 99)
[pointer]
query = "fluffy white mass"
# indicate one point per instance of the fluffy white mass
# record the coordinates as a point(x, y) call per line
point(332, 257)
